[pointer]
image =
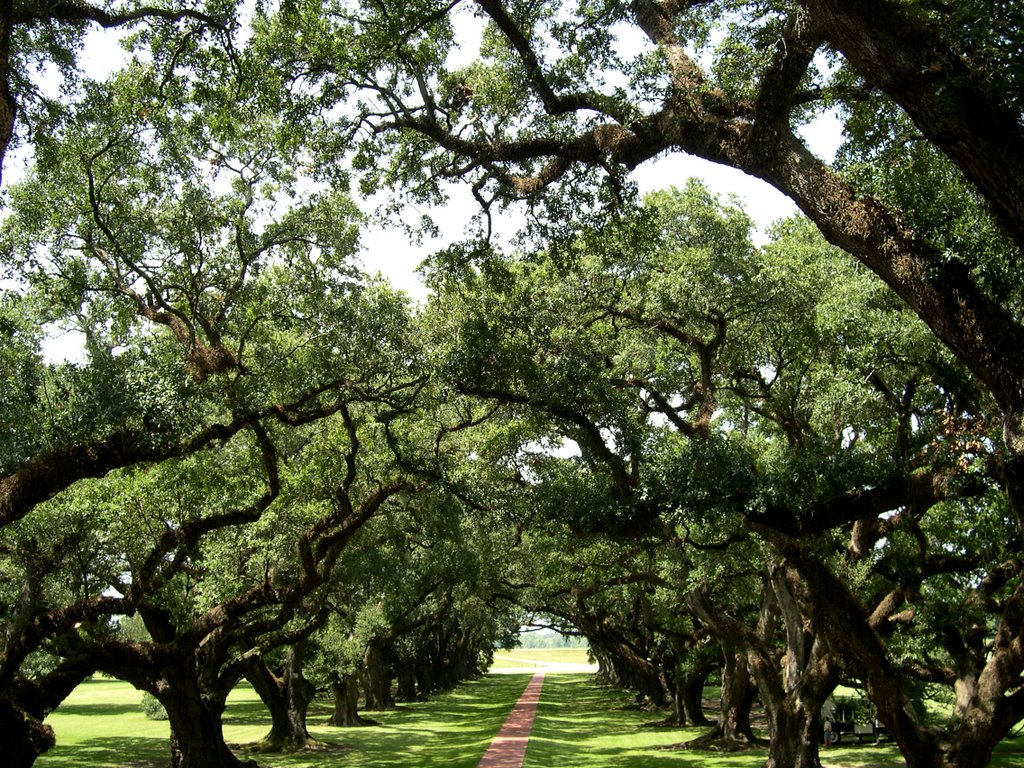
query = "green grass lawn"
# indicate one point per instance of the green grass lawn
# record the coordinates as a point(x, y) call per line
point(101, 724)
point(596, 727)
point(585, 725)
point(579, 724)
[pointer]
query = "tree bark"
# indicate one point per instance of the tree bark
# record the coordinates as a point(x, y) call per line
point(287, 698)
point(793, 694)
point(622, 665)
point(8, 106)
point(26, 702)
point(809, 674)
point(378, 678)
point(345, 689)
point(738, 696)
point(906, 57)
point(23, 737)
point(690, 689)
point(197, 734)
point(194, 712)
point(795, 732)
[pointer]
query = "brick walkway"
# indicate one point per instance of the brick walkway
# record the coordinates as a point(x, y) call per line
point(509, 747)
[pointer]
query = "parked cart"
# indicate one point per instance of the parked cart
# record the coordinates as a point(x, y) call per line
point(849, 717)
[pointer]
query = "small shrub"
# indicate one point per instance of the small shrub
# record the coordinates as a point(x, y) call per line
point(152, 708)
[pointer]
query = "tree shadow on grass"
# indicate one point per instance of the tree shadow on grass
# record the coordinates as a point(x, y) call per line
point(246, 713)
point(579, 723)
point(104, 751)
point(451, 729)
point(85, 709)
point(583, 724)
point(1009, 752)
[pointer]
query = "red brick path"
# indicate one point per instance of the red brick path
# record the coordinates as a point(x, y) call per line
point(509, 747)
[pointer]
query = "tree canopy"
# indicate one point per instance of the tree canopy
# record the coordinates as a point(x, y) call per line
point(779, 456)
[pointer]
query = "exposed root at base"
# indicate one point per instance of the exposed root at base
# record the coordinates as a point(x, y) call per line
point(267, 748)
point(712, 742)
point(668, 722)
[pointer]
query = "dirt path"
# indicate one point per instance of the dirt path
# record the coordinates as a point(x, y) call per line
point(509, 747)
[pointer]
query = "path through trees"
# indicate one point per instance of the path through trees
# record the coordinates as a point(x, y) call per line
point(509, 747)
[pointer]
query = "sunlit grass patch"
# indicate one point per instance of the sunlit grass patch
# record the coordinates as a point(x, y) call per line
point(101, 724)
point(520, 657)
point(586, 725)
point(579, 723)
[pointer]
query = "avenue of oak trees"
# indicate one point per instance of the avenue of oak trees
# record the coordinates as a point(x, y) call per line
point(790, 464)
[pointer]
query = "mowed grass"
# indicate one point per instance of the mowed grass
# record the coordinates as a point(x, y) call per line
point(583, 724)
point(579, 723)
point(101, 724)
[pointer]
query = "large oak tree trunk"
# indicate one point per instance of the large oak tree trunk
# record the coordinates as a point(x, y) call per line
point(989, 702)
point(690, 689)
point(737, 699)
point(738, 696)
point(795, 733)
point(197, 734)
point(25, 703)
point(23, 737)
point(345, 689)
point(287, 698)
point(792, 694)
point(378, 678)
point(794, 698)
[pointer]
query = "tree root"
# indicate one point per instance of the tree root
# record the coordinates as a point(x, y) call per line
point(668, 722)
point(713, 741)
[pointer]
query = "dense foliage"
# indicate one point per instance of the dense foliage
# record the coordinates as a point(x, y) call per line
point(789, 460)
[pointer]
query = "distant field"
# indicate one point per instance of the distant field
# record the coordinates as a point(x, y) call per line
point(524, 657)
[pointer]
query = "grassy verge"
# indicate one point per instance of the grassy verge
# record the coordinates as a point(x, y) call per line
point(579, 724)
point(585, 725)
point(101, 724)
